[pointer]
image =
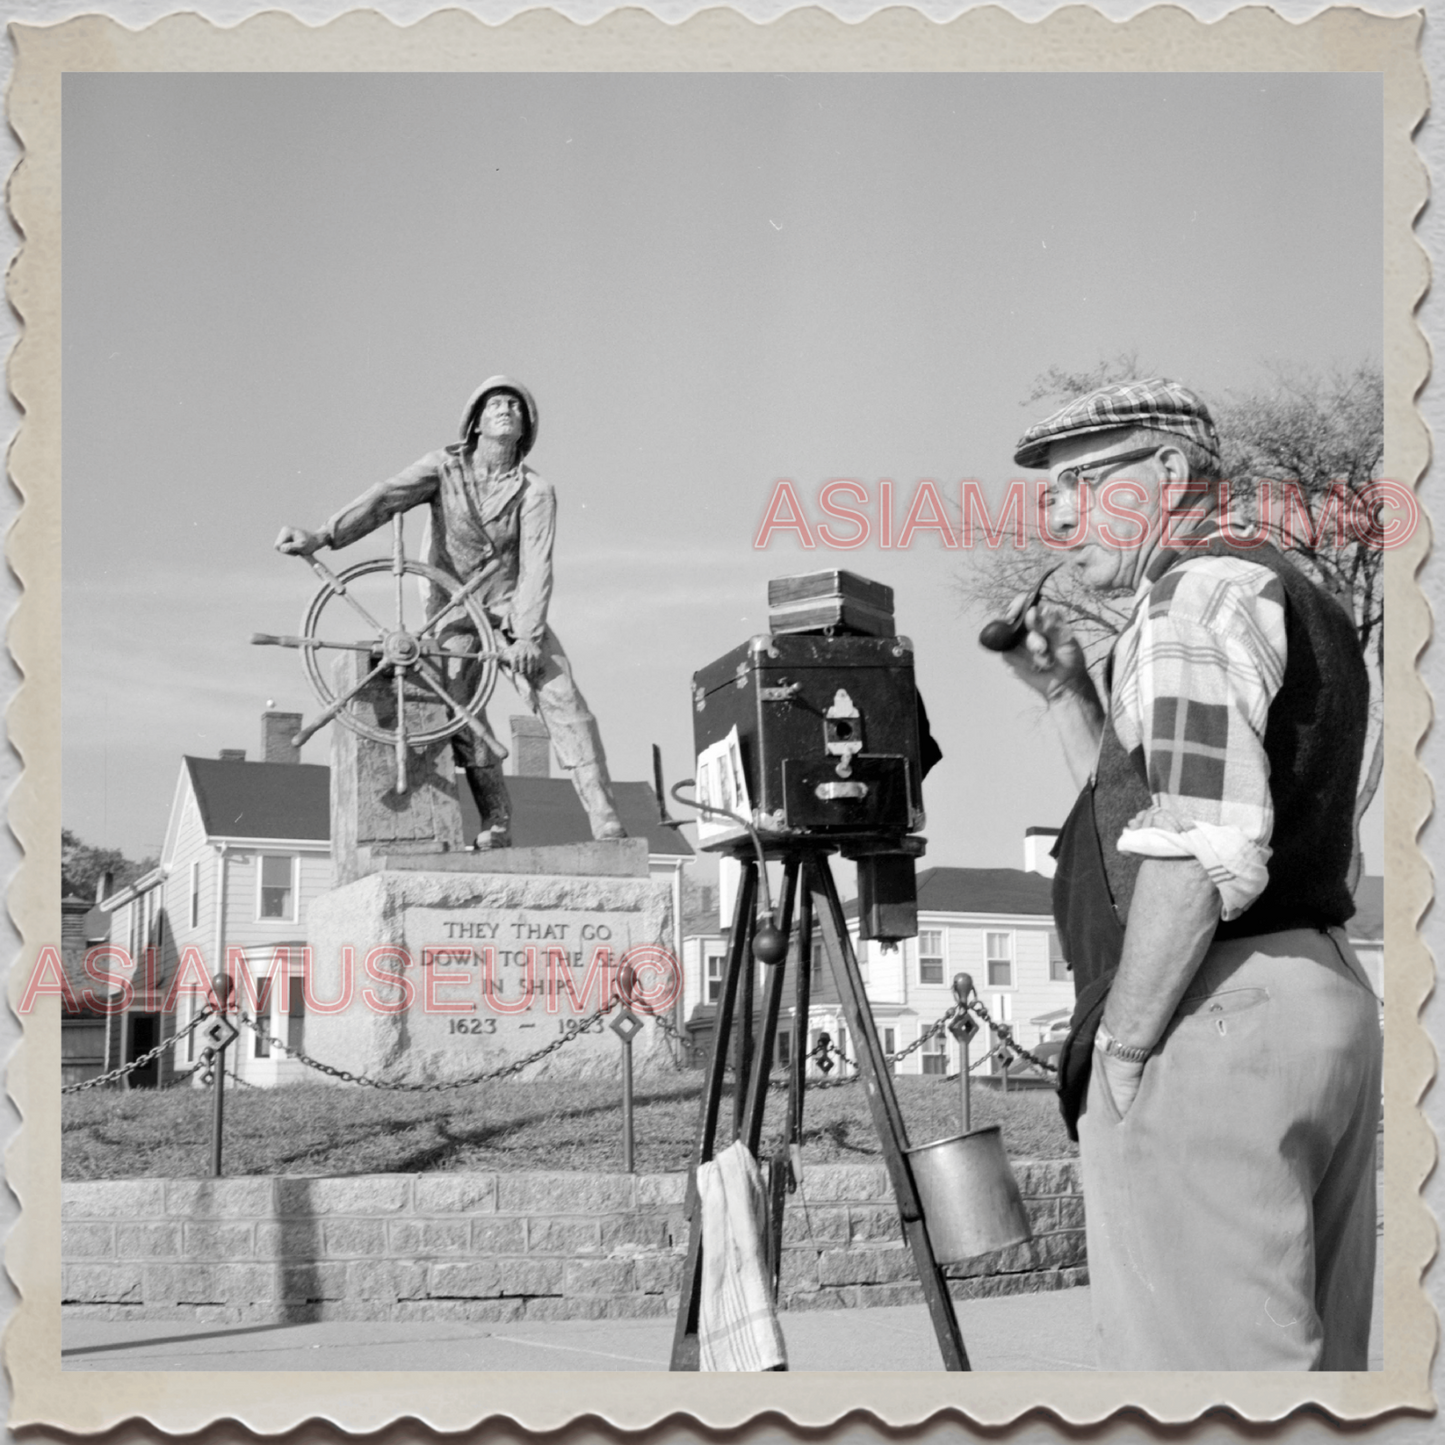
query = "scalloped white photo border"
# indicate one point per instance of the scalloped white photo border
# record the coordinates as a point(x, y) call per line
point(987, 39)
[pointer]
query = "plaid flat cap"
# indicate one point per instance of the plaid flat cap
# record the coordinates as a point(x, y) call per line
point(1158, 403)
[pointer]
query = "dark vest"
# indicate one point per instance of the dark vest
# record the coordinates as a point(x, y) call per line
point(1314, 741)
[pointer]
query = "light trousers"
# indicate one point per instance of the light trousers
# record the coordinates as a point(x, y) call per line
point(1230, 1213)
point(553, 695)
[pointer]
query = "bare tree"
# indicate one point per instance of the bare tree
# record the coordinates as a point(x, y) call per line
point(1297, 451)
point(1299, 455)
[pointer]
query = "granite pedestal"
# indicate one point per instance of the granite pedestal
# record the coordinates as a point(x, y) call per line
point(471, 961)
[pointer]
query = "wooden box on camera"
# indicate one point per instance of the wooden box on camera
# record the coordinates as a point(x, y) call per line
point(833, 600)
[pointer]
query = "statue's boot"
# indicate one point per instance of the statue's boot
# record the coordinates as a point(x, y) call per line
point(489, 791)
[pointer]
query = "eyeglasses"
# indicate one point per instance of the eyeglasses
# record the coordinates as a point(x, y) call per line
point(1071, 478)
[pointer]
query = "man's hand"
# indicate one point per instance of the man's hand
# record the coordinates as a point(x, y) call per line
point(525, 658)
point(1122, 1078)
point(1049, 659)
point(298, 542)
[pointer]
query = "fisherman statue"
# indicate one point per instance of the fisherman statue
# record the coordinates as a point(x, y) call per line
point(491, 525)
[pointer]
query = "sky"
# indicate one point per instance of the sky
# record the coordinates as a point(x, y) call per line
point(279, 289)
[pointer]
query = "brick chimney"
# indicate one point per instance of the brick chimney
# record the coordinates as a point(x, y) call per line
point(531, 747)
point(277, 730)
point(1037, 843)
point(233, 755)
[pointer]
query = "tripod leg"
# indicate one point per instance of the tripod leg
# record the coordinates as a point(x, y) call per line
point(802, 1003)
point(772, 999)
point(740, 941)
point(743, 1033)
point(878, 1082)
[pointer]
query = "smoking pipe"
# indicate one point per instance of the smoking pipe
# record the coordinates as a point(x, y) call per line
point(1003, 634)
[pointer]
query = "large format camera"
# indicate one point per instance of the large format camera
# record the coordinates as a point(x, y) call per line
point(822, 718)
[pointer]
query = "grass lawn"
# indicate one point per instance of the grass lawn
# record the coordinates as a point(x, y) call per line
point(546, 1124)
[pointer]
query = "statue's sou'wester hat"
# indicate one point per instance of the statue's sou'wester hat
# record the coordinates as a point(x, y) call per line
point(1159, 404)
point(478, 400)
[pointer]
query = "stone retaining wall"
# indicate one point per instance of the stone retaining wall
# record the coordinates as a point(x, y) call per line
point(497, 1246)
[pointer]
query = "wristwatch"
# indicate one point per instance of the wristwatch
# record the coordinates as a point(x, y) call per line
point(1127, 1052)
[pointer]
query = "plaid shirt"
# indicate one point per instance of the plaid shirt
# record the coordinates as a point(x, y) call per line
point(1193, 676)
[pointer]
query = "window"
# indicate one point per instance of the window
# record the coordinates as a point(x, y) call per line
point(1058, 965)
point(817, 962)
point(935, 1054)
point(785, 1048)
point(195, 910)
point(296, 1016)
point(999, 948)
point(262, 1035)
point(276, 885)
point(889, 1047)
point(930, 955)
point(714, 964)
point(266, 1020)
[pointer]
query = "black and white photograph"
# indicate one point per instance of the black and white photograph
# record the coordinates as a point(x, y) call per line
point(720, 722)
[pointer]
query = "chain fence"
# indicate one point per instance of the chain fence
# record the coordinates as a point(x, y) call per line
point(1007, 1048)
point(214, 1072)
point(681, 1047)
point(824, 1052)
point(436, 1086)
point(346, 1076)
point(142, 1060)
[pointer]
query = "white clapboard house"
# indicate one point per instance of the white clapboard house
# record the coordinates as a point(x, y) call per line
point(247, 849)
point(994, 924)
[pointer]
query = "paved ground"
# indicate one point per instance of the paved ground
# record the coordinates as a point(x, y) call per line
point(1014, 1332)
point(1019, 1332)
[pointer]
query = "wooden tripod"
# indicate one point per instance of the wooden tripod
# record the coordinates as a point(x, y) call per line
point(808, 883)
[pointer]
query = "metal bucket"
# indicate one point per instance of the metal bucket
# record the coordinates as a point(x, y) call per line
point(970, 1199)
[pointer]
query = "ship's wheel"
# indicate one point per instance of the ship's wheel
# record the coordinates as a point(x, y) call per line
point(449, 657)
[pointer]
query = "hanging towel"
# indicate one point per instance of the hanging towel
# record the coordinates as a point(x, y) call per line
point(737, 1323)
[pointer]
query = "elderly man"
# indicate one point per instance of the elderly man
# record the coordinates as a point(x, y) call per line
point(492, 514)
point(1224, 1065)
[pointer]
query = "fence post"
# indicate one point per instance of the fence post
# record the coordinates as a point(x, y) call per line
point(221, 1032)
point(963, 1027)
point(626, 1026)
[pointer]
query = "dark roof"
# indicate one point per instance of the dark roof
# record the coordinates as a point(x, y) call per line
point(292, 800)
point(980, 890)
point(1368, 924)
point(262, 800)
point(1011, 890)
point(984, 890)
point(96, 925)
point(547, 811)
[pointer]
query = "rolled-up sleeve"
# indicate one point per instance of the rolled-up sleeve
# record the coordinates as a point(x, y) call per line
point(1207, 659)
point(378, 504)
